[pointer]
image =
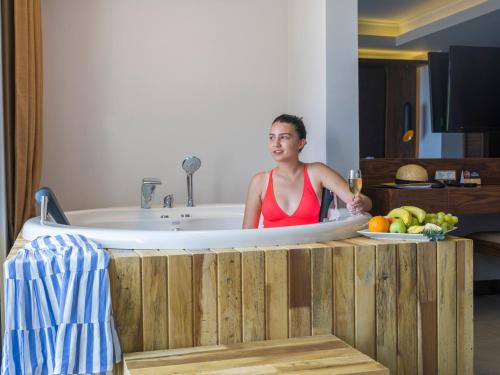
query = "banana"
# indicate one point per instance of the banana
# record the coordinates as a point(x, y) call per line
point(417, 212)
point(402, 214)
point(415, 229)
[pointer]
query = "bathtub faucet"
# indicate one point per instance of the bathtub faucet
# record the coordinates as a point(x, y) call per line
point(147, 189)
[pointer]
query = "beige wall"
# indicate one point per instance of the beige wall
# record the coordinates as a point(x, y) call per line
point(132, 87)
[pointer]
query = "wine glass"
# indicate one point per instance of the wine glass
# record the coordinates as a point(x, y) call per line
point(355, 182)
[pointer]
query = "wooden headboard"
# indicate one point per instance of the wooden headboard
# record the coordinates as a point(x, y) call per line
point(377, 171)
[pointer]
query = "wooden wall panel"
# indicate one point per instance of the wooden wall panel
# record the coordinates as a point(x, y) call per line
point(253, 295)
point(322, 291)
point(299, 277)
point(126, 298)
point(387, 306)
point(180, 300)
point(343, 293)
point(204, 298)
point(407, 308)
point(447, 307)
point(465, 299)
point(154, 300)
point(408, 305)
point(229, 296)
point(427, 308)
point(276, 264)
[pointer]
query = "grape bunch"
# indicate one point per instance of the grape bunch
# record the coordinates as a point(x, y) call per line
point(445, 221)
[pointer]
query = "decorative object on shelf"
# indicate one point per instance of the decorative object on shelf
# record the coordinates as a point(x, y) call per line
point(470, 177)
point(445, 175)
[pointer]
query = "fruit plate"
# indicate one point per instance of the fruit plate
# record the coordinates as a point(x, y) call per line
point(397, 236)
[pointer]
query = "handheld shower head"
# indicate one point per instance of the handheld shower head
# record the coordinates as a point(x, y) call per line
point(190, 164)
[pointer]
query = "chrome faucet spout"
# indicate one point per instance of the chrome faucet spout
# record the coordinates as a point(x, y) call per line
point(148, 187)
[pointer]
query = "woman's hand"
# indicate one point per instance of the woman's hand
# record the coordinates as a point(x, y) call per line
point(356, 205)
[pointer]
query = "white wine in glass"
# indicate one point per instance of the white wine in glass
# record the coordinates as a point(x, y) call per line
point(355, 181)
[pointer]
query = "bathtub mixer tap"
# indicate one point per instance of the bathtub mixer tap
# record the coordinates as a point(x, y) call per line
point(147, 190)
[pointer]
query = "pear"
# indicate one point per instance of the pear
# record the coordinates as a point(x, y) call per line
point(401, 213)
point(416, 229)
point(417, 212)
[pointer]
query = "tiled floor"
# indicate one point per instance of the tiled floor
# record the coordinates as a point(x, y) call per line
point(487, 335)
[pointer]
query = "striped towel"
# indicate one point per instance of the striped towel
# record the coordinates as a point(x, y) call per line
point(58, 317)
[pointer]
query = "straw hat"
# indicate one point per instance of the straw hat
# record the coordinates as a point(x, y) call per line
point(411, 173)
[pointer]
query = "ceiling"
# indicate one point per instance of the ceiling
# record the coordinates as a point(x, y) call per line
point(397, 10)
point(427, 25)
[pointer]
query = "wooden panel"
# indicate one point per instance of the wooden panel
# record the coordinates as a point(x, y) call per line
point(465, 334)
point(311, 355)
point(276, 294)
point(343, 292)
point(447, 307)
point(322, 292)
point(377, 171)
point(484, 199)
point(229, 296)
point(407, 308)
point(427, 308)
point(387, 306)
point(126, 296)
point(154, 299)
point(253, 295)
point(365, 298)
point(180, 300)
point(204, 298)
point(299, 276)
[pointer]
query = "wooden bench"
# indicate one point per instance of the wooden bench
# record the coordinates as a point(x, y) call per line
point(487, 243)
point(311, 355)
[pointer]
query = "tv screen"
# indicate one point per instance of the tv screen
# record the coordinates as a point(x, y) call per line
point(438, 84)
point(474, 89)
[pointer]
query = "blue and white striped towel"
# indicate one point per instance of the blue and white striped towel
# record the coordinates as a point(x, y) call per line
point(58, 316)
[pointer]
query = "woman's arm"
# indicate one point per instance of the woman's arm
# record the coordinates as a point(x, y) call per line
point(253, 203)
point(331, 180)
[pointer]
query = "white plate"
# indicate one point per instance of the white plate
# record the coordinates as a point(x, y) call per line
point(397, 236)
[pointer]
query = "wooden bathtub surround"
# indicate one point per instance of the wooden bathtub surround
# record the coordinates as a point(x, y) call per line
point(311, 355)
point(407, 305)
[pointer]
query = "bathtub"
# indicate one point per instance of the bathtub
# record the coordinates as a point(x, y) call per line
point(200, 227)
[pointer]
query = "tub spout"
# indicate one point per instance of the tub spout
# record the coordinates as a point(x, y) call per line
point(147, 189)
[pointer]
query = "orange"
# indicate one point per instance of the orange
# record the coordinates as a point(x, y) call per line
point(378, 224)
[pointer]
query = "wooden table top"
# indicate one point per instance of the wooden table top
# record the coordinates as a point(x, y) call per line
point(312, 355)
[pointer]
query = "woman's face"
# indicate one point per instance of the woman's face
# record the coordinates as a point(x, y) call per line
point(284, 142)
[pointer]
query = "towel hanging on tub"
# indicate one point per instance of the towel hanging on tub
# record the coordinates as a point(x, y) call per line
point(58, 316)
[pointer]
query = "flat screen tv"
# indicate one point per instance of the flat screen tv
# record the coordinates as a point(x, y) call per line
point(438, 92)
point(473, 89)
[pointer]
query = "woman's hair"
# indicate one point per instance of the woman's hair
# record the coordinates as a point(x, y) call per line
point(297, 123)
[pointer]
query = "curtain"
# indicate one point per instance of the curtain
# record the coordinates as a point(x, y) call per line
point(23, 84)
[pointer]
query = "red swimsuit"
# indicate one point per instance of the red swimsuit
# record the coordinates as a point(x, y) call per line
point(306, 213)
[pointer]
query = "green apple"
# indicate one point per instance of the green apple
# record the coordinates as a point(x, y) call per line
point(397, 227)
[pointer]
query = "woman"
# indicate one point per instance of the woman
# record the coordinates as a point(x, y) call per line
point(290, 194)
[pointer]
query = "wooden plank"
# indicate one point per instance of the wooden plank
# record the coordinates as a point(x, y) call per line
point(180, 300)
point(343, 292)
point(276, 278)
point(229, 296)
point(204, 298)
point(322, 291)
point(386, 306)
point(154, 299)
point(364, 260)
point(253, 295)
point(465, 334)
point(126, 296)
point(318, 355)
point(427, 308)
point(407, 308)
point(299, 277)
point(447, 307)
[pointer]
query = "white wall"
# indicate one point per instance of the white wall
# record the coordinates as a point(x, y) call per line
point(307, 72)
point(342, 114)
point(133, 87)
